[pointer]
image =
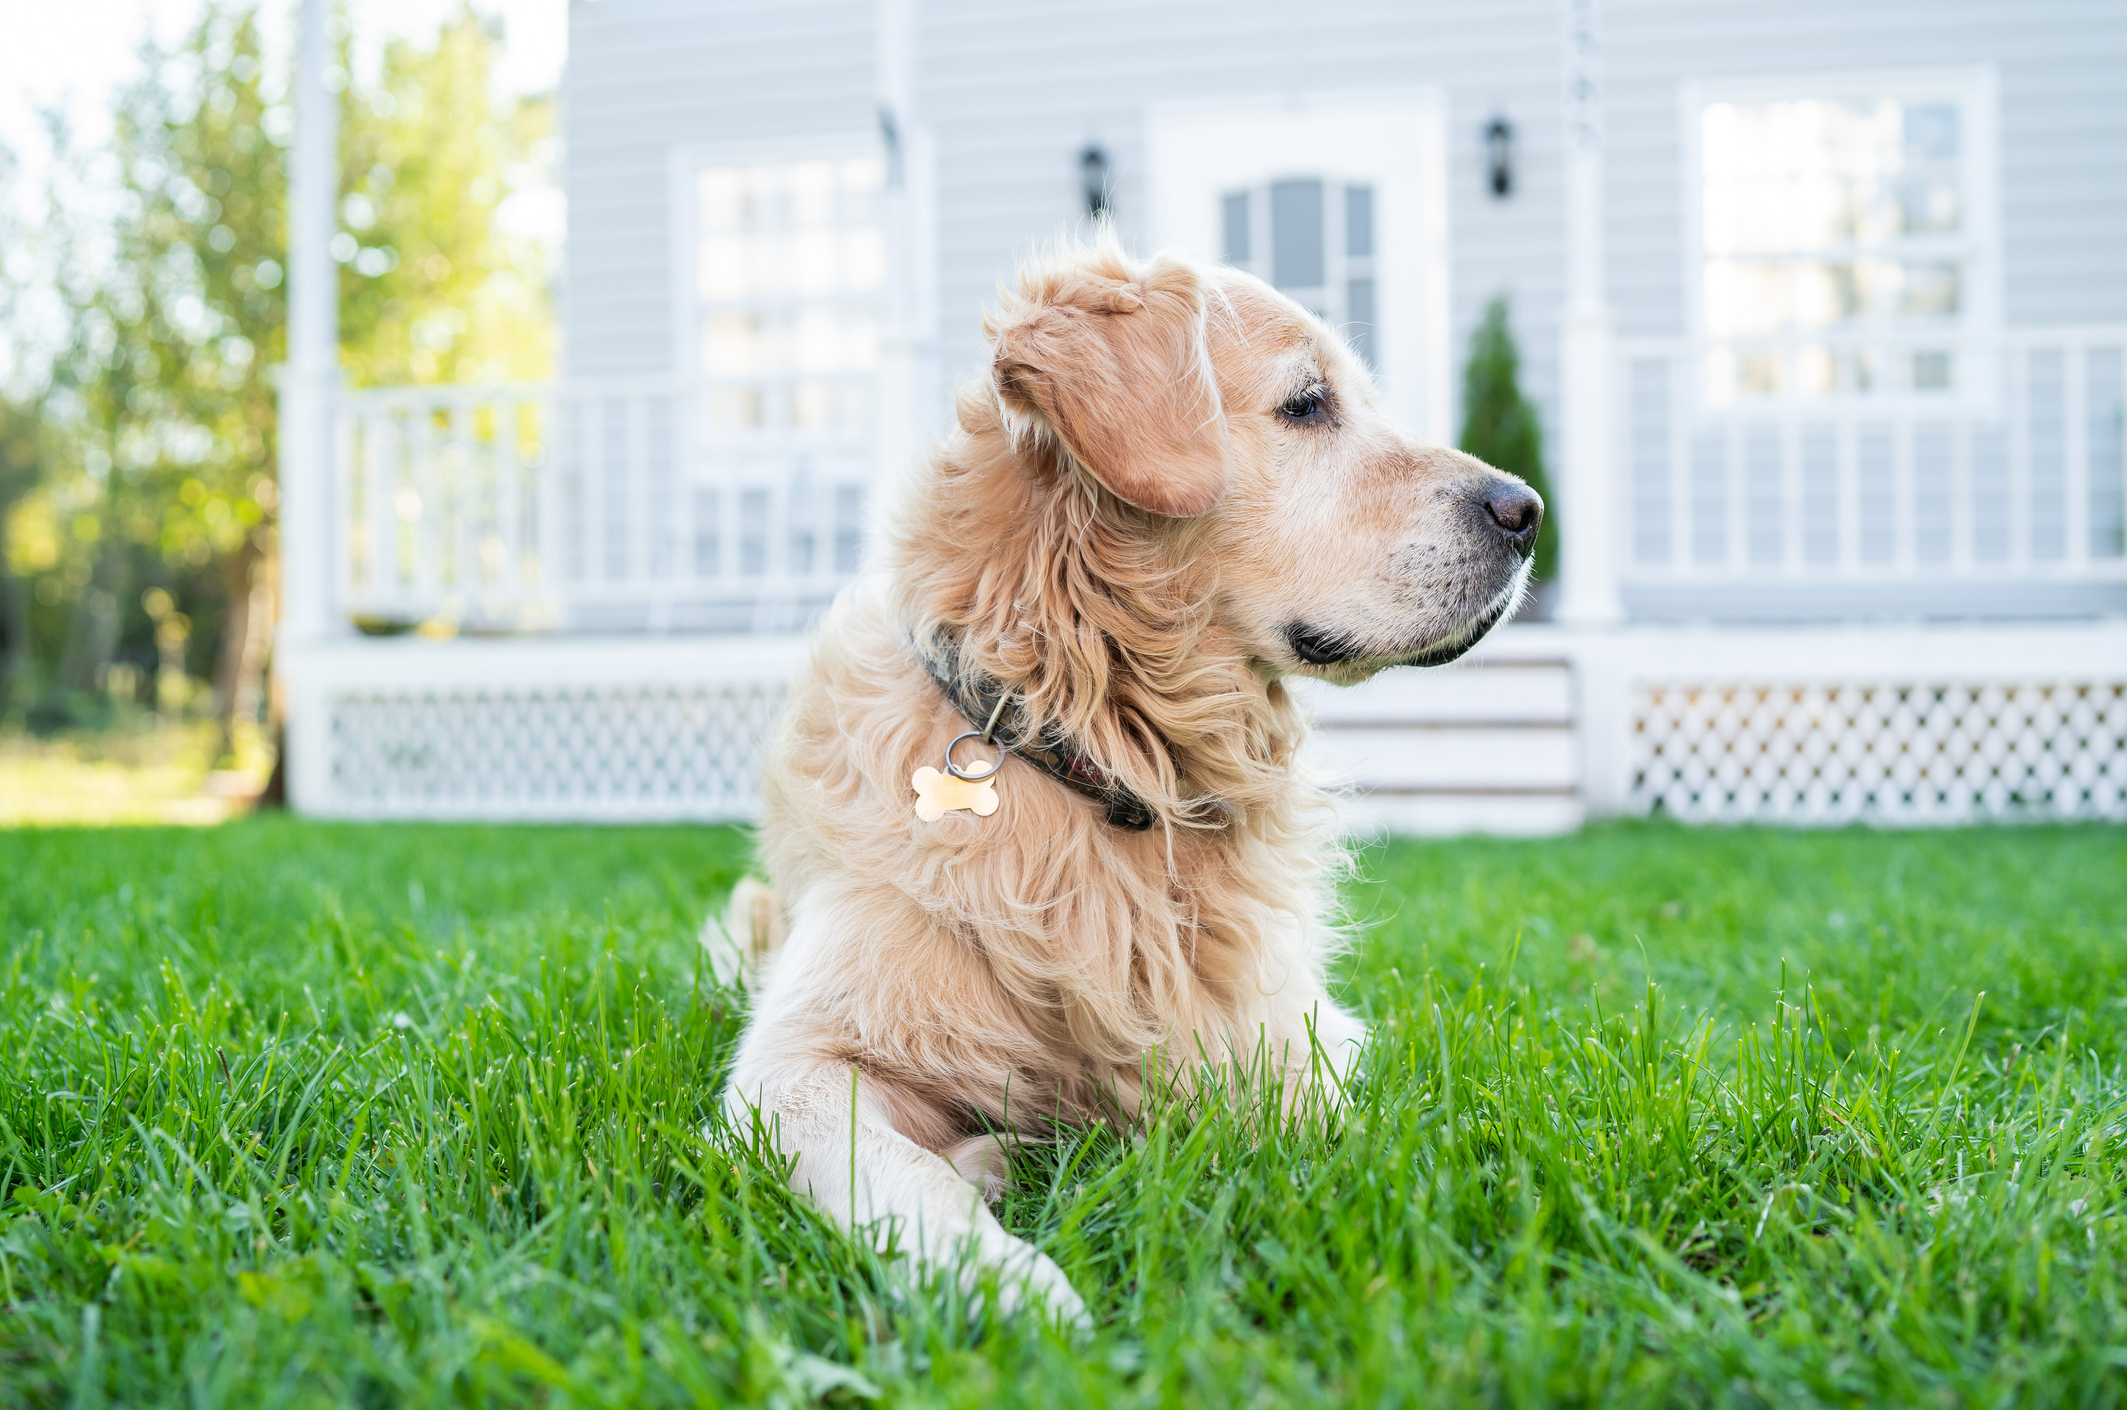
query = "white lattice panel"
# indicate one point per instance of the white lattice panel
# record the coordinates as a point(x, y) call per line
point(1881, 753)
point(1897, 724)
point(640, 752)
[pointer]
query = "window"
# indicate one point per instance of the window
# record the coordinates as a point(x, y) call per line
point(1842, 237)
point(1314, 240)
point(790, 267)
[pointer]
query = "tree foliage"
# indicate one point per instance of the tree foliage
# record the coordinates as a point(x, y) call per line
point(433, 287)
point(1500, 426)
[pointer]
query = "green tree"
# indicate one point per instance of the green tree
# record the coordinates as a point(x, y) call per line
point(226, 206)
point(160, 392)
point(433, 289)
point(146, 462)
point(1500, 426)
point(18, 473)
point(20, 418)
point(127, 292)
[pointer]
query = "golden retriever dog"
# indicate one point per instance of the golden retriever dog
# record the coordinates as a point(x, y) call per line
point(1171, 492)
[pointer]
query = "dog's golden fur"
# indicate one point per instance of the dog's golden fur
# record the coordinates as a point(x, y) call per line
point(1114, 533)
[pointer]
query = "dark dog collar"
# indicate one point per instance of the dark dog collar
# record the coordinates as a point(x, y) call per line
point(988, 707)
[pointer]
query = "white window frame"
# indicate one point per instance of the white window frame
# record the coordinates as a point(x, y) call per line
point(1394, 142)
point(1975, 91)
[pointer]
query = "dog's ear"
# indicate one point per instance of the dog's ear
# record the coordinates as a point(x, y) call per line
point(1116, 369)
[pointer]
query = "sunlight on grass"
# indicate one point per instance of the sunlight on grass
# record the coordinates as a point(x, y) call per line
point(150, 774)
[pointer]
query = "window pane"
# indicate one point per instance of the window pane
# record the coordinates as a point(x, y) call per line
point(707, 558)
point(825, 339)
point(1878, 282)
point(735, 408)
point(722, 198)
point(1234, 221)
point(724, 270)
point(1359, 317)
point(1359, 222)
point(849, 527)
point(1928, 206)
point(863, 259)
point(1835, 210)
point(1746, 296)
point(1815, 371)
point(732, 344)
point(1931, 136)
point(1758, 374)
point(1826, 293)
point(860, 182)
point(1742, 215)
point(1296, 253)
point(812, 194)
point(753, 532)
point(1930, 290)
point(810, 252)
point(2106, 408)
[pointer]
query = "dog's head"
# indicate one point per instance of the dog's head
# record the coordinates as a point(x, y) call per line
point(1337, 543)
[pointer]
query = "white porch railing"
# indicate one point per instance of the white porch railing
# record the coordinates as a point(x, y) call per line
point(617, 506)
point(2016, 474)
point(588, 506)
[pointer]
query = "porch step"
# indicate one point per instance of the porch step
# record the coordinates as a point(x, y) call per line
point(1481, 746)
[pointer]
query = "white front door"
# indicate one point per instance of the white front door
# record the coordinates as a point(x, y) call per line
point(1341, 203)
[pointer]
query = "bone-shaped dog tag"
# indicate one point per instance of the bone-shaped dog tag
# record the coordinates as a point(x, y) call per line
point(938, 794)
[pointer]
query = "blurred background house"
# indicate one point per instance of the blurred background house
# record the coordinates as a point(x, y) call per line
point(1821, 309)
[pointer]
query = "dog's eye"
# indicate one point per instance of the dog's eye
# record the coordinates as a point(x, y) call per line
point(1310, 405)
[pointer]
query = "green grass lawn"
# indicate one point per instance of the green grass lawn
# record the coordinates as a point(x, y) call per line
point(306, 1114)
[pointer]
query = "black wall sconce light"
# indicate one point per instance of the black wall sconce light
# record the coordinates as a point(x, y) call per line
point(1499, 157)
point(1093, 179)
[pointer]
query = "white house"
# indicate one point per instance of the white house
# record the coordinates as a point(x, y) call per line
point(1824, 305)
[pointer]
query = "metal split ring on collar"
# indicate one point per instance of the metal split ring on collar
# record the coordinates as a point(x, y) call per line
point(980, 771)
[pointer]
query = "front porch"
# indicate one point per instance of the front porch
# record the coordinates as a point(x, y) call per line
point(1544, 727)
point(1899, 611)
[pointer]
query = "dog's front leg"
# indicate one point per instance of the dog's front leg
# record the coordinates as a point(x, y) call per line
point(876, 1182)
point(1308, 1045)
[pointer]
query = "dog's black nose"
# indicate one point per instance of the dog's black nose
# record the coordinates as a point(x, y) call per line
point(1516, 509)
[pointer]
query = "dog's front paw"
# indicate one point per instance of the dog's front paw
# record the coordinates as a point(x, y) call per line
point(1031, 1281)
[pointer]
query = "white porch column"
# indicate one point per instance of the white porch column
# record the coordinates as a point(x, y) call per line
point(1587, 531)
point(307, 386)
point(908, 314)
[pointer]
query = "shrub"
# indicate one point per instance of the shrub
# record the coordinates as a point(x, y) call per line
point(1499, 425)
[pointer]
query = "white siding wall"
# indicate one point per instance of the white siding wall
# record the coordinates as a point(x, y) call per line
point(1013, 93)
point(647, 76)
